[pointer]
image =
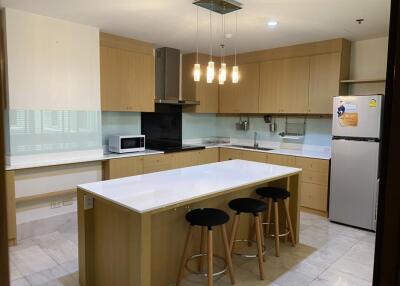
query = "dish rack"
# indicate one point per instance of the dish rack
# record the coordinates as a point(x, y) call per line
point(295, 128)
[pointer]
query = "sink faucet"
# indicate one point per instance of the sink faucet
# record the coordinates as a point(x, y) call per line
point(255, 140)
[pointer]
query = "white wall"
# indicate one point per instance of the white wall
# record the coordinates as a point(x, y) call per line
point(51, 64)
point(37, 181)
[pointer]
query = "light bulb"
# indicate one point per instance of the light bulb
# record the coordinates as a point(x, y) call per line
point(235, 74)
point(196, 72)
point(220, 76)
point(223, 72)
point(210, 72)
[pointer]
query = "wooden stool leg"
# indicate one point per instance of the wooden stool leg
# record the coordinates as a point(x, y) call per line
point(268, 216)
point(184, 255)
point(262, 235)
point(234, 231)
point(203, 248)
point(259, 246)
point(289, 222)
point(210, 257)
point(227, 253)
point(276, 223)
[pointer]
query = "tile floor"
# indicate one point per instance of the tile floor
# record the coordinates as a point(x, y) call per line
point(328, 254)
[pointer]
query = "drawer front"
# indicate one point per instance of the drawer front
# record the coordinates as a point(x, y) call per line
point(283, 160)
point(316, 165)
point(315, 178)
point(314, 196)
point(123, 167)
point(229, 154)
point(184, 159)
point(156, 163)
point(254, 156)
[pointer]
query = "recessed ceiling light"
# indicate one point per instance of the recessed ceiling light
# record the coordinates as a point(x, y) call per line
point(272, 23)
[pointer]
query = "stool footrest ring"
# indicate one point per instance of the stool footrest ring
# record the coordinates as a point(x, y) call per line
point(204, 274)
point(248, 255)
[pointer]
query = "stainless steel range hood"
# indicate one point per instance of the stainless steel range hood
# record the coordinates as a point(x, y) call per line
point(168, 75)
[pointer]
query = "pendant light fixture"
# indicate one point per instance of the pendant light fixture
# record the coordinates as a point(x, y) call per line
point(235, 68)
point(210, 66)
point(197, 68)
point(221, 7)
point(222, 69)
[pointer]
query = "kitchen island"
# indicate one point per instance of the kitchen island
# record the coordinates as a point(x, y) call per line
point(132, 230)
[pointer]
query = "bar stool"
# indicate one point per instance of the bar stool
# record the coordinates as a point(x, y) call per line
point(275, 194)
point(255, 207)
point(209, 218)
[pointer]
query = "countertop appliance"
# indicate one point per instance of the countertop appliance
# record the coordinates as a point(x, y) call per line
point(354, 184)
point(126, 143)
point(168, 77)
point(163, 129)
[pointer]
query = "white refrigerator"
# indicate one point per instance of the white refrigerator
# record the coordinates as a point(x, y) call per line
point(354, 182)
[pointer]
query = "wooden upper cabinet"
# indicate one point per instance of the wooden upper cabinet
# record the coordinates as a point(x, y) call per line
point(324, 82)
point(127, 74)
point(206, 93)
point(284, 85)
point(293, 84)
point(243, 96)
point(270, 74)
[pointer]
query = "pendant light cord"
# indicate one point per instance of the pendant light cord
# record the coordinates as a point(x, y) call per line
point(211, 33)
point(235, 35)
point(197, 36)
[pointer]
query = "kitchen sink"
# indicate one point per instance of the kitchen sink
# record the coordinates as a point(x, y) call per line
point(252, 147)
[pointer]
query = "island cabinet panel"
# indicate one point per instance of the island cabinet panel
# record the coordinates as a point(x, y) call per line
point(324, 82)
point(241, 97)
point(314, 183)
point(11, 208)
point(123, 167)
point(231, 154)
point(127, 74)
point(157, 163)
point(206, 93)
point(283, 160)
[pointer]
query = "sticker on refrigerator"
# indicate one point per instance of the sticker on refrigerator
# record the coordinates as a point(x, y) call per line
point(373, 103)
point(347, 114)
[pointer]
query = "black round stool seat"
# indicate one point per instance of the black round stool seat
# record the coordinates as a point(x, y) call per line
point(207, 217)
point(274, 193)
point(247, 205)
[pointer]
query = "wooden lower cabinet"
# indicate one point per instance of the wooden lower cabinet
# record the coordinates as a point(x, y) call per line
point(157, 163)
point(132, 166)
point(123, 167)
point(231, 154)
point(314, 186)
point(314, 196)
point(283, 160)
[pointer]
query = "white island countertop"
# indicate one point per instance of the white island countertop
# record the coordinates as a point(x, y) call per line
point(149, 192)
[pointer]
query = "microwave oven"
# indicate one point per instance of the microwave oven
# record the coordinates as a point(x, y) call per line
point(126, 143)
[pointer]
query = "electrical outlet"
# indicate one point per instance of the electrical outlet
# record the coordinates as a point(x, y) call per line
point(67, 202)
point(56, 204)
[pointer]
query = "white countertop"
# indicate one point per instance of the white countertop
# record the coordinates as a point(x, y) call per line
point(145, 193)
point(309, 151)
point(54, 161)
point(314, 154)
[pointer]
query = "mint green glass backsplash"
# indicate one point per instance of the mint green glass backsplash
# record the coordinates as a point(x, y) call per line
point(120, 123)
point(196, 126)
point(48, 131)
point(318, 130)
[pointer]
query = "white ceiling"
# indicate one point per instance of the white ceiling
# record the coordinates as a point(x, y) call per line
point(173, 22)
